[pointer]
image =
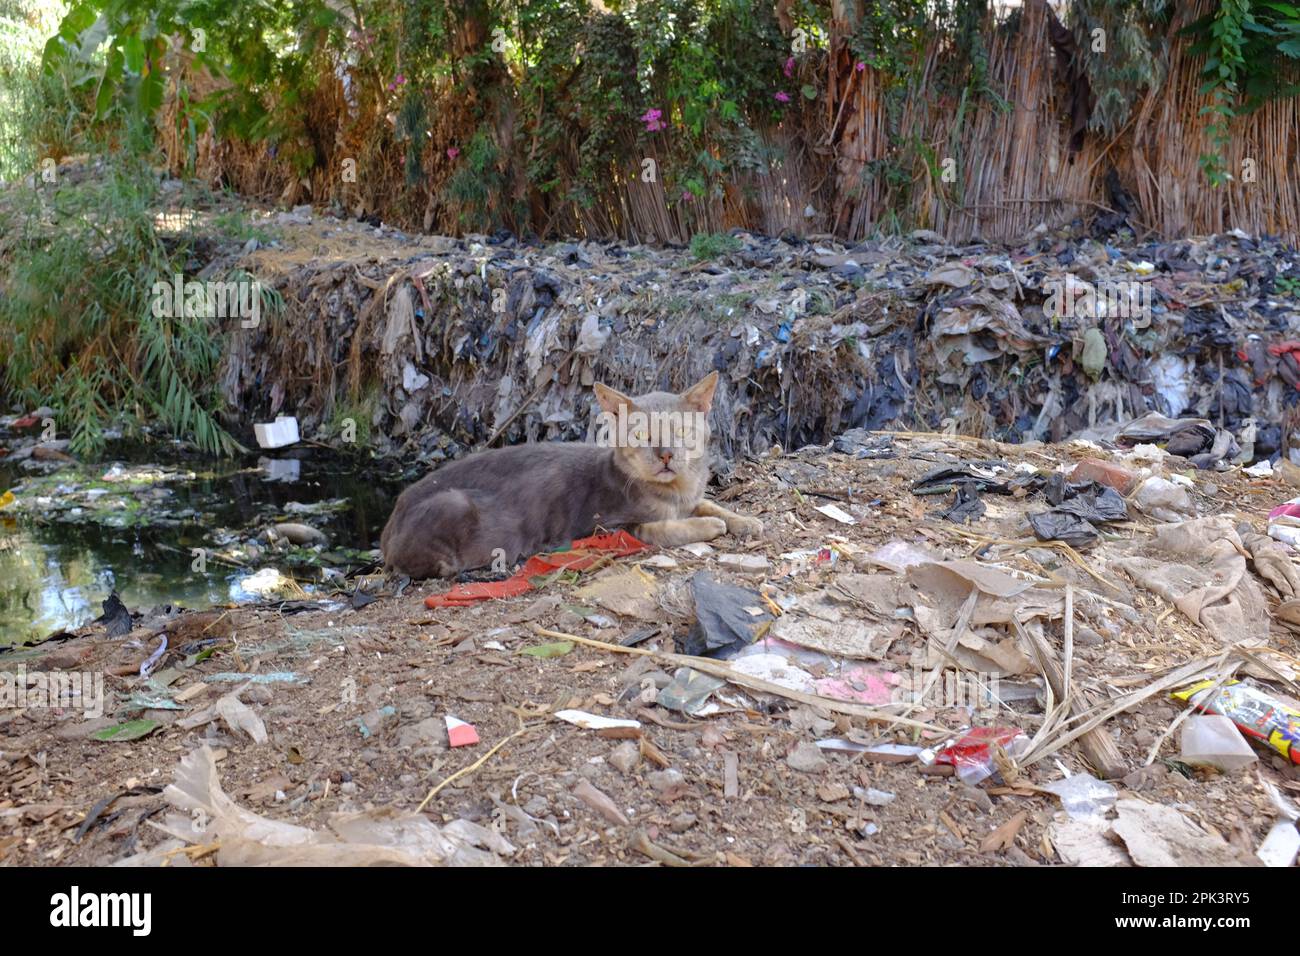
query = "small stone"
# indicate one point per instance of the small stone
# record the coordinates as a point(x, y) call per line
point(258, 694)
point(806, 758)
point(832, 792)
point(976, 797)
point(600, 802)
point(669, 784)
point(1145, 777)
point(377, 721)
point(349, 788)
point(874, 797)
point(569, 621)
point(1087, 637)
point(683, 822)
point(745, 563)
point(625, 757)
point(712, 738)
point(663, 780)
point(659, 679)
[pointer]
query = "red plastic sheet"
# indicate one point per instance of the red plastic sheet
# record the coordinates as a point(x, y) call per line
point(582, 554)
point(975, 748)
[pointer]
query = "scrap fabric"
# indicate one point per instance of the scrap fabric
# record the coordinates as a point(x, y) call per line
point(581, 555)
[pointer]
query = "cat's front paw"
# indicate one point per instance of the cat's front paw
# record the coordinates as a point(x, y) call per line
point(708, 528)
point(744, 527)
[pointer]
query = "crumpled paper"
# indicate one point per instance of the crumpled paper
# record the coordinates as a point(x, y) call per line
point(1199, 566)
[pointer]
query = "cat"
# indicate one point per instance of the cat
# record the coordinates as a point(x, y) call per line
point(646, 473)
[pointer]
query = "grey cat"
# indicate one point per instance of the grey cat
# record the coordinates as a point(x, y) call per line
point(646, 472)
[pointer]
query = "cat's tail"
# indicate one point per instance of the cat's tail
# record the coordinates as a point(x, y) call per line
point(430, 537)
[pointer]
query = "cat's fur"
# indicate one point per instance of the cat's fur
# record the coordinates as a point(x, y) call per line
point(514, 502)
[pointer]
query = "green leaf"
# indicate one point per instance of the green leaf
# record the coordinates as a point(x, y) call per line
point(150, 95)
point(107, 84)
point(809, 92)
point(1285, 9)
point(78, 19)
point(133, 50)
point(55, 50)
point(131, 730)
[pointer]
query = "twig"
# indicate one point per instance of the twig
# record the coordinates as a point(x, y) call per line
point(523, 729)
point(1179, 676)
point(707, 666)
point(958, 632)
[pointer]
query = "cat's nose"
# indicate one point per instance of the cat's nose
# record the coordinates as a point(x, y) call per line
point(665, 455)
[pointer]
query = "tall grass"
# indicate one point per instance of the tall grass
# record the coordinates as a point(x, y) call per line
point(25, 94)
point(80, 333)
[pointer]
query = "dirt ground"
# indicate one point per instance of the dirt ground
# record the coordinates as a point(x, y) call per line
point(366, 729)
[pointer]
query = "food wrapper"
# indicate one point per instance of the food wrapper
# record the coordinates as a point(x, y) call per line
point(972, 755)
point(1255, 713)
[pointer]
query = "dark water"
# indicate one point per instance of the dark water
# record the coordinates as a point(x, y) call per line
point(58, 564)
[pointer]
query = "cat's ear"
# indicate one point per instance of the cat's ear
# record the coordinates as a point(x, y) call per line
point(611, 401)
point(700, 395)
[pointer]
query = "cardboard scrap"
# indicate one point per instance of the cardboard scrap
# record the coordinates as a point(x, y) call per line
point(1157, 835)
point(824, 622)
point(625, 591)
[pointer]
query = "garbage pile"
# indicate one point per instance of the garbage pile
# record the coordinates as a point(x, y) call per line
point(458, 342)
point(1095, 666)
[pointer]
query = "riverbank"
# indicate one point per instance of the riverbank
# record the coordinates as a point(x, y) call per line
point(343, 710)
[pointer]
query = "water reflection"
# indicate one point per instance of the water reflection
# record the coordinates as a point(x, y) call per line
point(55, 573)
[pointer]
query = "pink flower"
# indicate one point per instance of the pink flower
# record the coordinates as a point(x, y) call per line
point(653, 121)
point(686, 195)
point(782, 96)
point(789, 67)
point(860, 67)
point(398, 81)
point(452, 152)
